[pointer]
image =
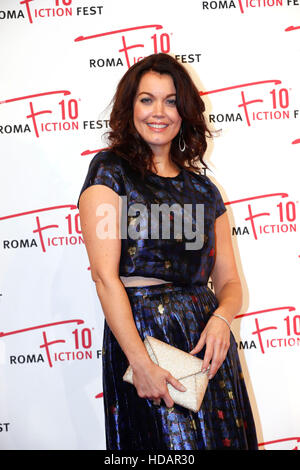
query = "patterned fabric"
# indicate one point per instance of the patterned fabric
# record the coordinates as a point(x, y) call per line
point(175, 312)
point(177, 315)
point(166, 259)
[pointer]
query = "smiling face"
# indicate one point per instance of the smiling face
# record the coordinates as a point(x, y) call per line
point(155, 114)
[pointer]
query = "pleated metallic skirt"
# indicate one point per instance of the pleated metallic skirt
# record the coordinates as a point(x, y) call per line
point(175, 314)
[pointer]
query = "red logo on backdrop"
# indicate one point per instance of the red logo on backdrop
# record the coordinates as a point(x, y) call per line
point(291, 441)
point(273, 328)
point(77, 346)
point(275, 103)
point(243, 5)
point(280, 218)
point(155, 42)
point(64, 112)
point(67, 232)
point(56, 8)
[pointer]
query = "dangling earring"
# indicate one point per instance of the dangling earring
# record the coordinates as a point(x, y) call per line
point(181, 141)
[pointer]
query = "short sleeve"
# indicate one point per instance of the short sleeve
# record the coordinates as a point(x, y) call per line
point(105, 168)
point(220, 206)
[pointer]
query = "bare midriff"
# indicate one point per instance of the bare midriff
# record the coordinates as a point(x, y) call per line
point(135, 281)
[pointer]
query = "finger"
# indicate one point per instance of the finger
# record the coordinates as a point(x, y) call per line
point(168, 400)
point(217, 360)
point(199, 345)
point(224, 352)
point(175, 383)
point(215, 365)
point(207, 356)
point(157, 401)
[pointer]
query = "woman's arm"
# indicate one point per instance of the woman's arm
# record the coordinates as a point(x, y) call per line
point(225, 277)
point(104, 256)
point(228, 290)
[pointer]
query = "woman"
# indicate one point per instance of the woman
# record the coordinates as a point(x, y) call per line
point(156, 286)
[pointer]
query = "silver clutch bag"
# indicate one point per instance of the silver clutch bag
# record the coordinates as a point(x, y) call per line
point(183, 366)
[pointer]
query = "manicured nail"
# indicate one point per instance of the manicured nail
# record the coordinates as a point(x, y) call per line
point(210, 377)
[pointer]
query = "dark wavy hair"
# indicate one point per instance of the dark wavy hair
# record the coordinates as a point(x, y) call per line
point(123, 138)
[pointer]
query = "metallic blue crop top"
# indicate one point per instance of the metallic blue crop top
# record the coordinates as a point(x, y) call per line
point(147, 250)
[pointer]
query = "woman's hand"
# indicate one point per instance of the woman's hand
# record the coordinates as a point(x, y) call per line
point(151, 381)
point(216, 336)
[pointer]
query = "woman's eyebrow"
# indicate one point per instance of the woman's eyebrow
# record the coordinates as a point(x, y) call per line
point(150, 94)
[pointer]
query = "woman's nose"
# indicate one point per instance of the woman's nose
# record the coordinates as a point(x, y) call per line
point(158, 109)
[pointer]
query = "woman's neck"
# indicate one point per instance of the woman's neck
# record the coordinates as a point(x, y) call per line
point(163, 162)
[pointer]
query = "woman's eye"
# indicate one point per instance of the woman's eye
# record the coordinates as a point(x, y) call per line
point(169, 101)
point(145, 100)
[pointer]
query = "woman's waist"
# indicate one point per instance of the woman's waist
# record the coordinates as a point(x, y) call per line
point(137, 281)
point(141, 286)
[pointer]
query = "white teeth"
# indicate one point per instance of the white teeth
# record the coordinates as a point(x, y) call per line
point(158, 126)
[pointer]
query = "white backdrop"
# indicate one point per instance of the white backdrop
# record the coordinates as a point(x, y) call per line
point(60, 63)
